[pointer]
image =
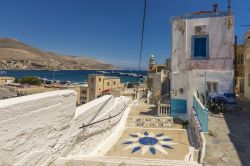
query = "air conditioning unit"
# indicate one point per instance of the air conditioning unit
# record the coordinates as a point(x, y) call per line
point(200, 30)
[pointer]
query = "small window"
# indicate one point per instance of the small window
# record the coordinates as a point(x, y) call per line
point(215, 86)
point(83, 91)
point(114, 82)
point(100, 79)
point(92, 80)
point(200, 47)
point(107, 83)
point(209, 88)
point(212, 87)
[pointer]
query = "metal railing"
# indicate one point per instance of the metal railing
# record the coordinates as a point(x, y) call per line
point(110, 117)
point(201, 112)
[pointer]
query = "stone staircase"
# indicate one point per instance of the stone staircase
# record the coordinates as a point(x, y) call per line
point(152, 122)
point(120, 161)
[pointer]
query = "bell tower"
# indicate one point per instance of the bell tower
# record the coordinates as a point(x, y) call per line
point(151, 71)
point(152, 64)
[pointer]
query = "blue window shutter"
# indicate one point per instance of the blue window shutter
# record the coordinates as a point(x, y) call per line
point(200, 47)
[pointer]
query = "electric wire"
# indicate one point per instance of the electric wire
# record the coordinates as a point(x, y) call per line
point(141, 43)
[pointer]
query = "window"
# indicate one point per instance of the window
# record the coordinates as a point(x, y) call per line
point(114, 82)
point(100, 79)
point(84, 92)
point(212, 87)
point(200, 47)
point(92, 80)
point(107, 83)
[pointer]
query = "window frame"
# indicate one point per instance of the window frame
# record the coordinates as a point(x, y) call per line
point(207, 47)
point(214, 89)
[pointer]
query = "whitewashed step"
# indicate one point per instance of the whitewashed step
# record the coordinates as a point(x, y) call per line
point(120, 161)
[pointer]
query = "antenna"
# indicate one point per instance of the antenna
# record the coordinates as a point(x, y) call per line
point(229, 7)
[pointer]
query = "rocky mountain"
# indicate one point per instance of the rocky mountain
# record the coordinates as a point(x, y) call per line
point(17, 55)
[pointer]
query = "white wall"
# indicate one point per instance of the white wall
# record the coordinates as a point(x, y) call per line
point(221, 43)
point(34, 128)
point(95, 134)
point(37, 129)
point(179, 80)
point(197, 78)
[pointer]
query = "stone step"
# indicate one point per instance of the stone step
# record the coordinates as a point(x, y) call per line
point(162, 122)
point(120, 161)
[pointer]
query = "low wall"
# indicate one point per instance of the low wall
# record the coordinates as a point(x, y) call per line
point(199, 136)
point(37, 129)
point(90, 136)
point(34, 128)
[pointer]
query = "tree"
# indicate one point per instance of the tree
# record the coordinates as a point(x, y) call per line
point(30, 80)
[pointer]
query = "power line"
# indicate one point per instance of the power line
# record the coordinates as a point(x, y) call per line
point(142, 39)
point(142, 32)
point(184, 8)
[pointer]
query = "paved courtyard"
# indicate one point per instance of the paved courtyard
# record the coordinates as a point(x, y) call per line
point(156, 142)
point(152, 144)
point(228, 141)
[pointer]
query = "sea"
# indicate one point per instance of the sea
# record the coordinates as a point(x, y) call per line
point(77, 76)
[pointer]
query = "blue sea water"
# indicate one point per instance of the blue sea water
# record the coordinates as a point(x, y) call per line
point(73, 76)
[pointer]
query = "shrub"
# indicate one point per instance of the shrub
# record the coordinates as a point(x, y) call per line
point(31, 80)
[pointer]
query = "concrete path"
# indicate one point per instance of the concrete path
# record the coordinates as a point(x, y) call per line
point(228, 141)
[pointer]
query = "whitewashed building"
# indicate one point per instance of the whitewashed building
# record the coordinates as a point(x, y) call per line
point(202, 57)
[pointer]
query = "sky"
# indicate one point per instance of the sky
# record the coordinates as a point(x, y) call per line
point(109, 30)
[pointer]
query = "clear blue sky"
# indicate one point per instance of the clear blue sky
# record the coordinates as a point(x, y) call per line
point(109, 30)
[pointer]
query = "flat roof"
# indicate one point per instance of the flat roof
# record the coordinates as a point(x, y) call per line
point(108, 77)
point(201, 14)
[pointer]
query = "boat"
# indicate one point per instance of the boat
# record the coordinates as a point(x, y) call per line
point(2, 72)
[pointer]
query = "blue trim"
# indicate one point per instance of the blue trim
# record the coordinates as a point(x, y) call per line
point(204, 15)
point(193, 47)
point(229, 94)
point(231, 98)
point(178, 106)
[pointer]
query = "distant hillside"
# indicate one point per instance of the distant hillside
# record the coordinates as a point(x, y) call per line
point(17, 55)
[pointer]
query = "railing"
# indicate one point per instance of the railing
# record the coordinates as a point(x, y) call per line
point(201, 112)
point(108, 118)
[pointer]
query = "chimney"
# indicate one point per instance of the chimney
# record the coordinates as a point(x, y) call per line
point(215, 7)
